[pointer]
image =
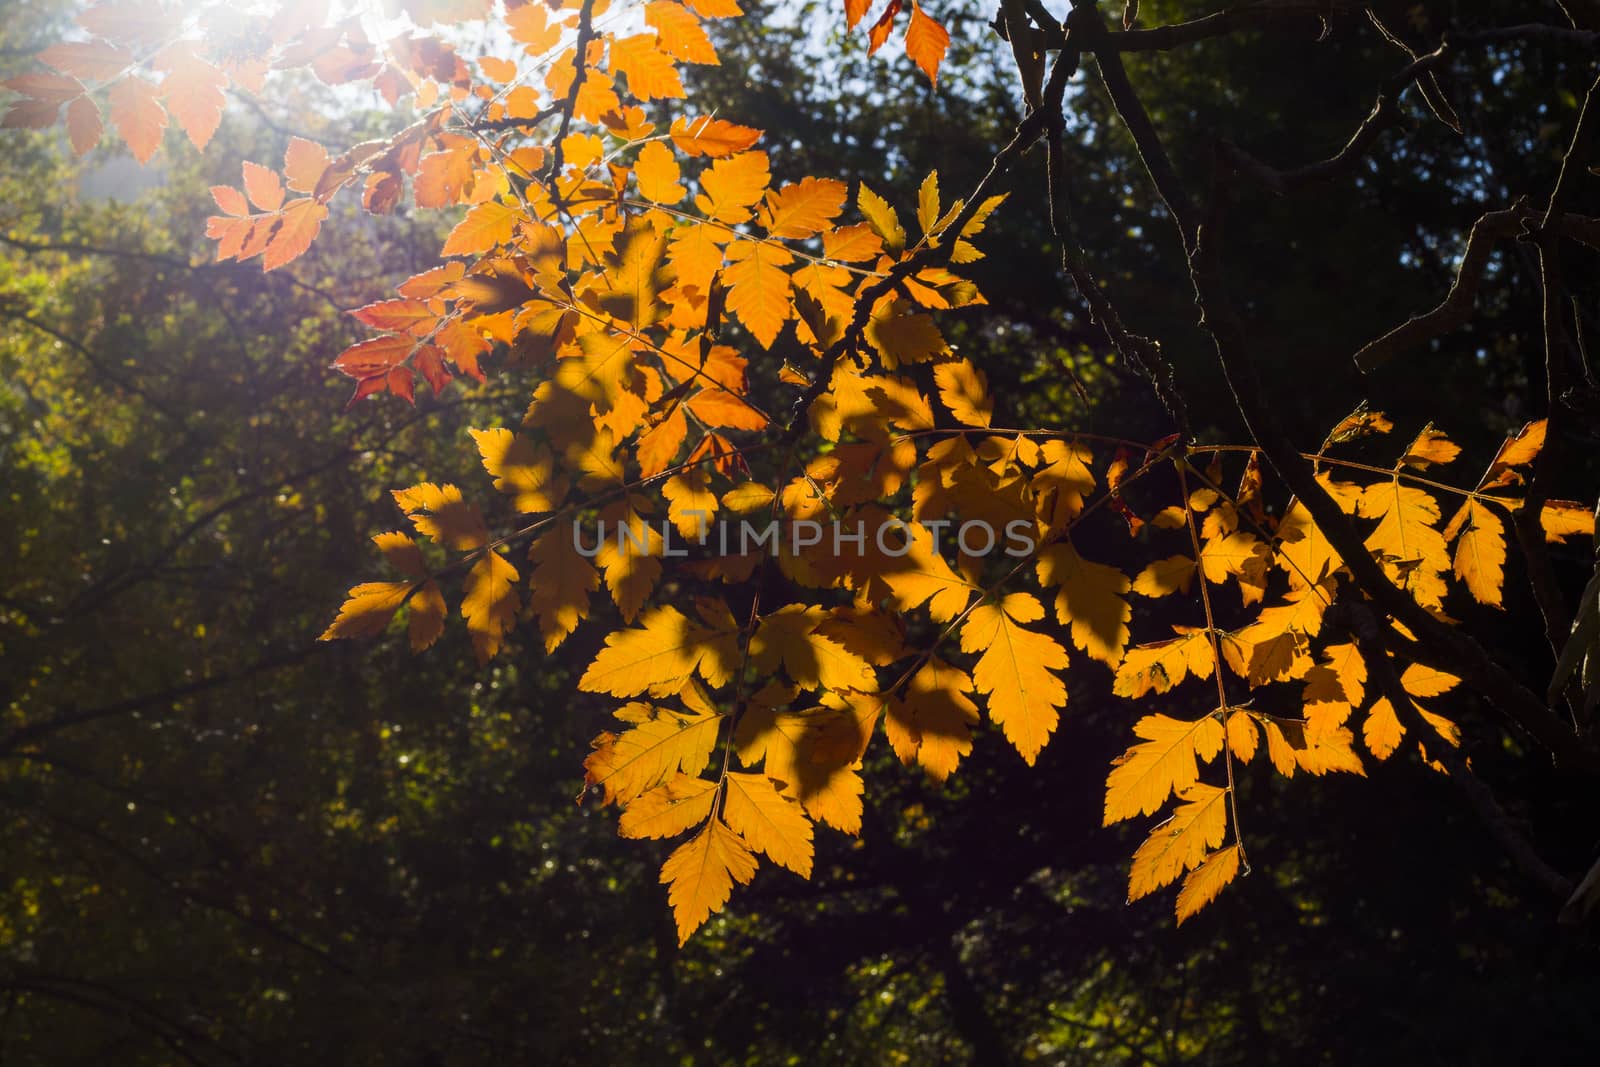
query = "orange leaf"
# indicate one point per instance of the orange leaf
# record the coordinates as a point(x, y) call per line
point(926, 41)
point(712, 137)
point(263, 186)
point(304, 163)
point(138, 116)
point(193, 89)
point(485, 226)
point(880, 29)
point(679, 32)
point(301, 221)
point(658, 173)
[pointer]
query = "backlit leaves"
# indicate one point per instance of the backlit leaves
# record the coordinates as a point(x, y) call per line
point(634, 275)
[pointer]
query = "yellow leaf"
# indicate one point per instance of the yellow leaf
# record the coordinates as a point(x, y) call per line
point(769, 821)
point(521, 469)
point(669, 809)
point(748, 497)
point(1143, 777)
point(559, 588)
point(788, 636)
point(699, 876)
point(928, 202)
point(1164, 576)
point(803, 209)
point(1242, 736)
point(658, 173)
point(1158, 667)
point(902, 336)
point(401, 553)
point(660, 655)
point(964, 390)
point(489, 604)
point(1480, 557)
point(1015, 671)
point(487, 225)
point(1063, 482)
point(1382, 730)
point(691, 504)
point(758, 288)
point(439, 512)
point(1208, 880)
point(1423, 681)
point(1563, 518)
point(932, 723)
point(427, 610)
point(1412, 551)
point(1431, 447)
point(852, 244)
point(679, 32)
point(883, 219)
point(650, 72)
point(1236, 553)
point(629, 555)
point(1091, 598)
point(662, 743)
point(1180, 844)
point(793, 748)
point(731, 186)
point(368, 609)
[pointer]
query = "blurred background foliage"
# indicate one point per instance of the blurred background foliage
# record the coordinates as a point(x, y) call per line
point(226, 843)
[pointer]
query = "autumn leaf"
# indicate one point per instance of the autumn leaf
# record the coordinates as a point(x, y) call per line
point(659, 656)
point(964, 391)
point(769, 822)
point(669, 809)
point(926, 42)
point(712, 137)
point(1480, 555)
point(521, 469)
point(661, 743)
point(1180, 844)
point(1207, 881)
point(1016, 669)
point(484, 227)
point(931, 722)
point(789, 637)
point(1091, 598)
point(137, 114)
point(490, 604)
point(699, 876)
point(1144, 776)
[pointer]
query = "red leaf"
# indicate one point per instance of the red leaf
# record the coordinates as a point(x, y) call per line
point(93, 61)
point(28, 114)
point(58, 88)
point(398, 316)
point(374, 357)
point(83, 125)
